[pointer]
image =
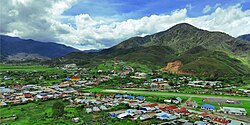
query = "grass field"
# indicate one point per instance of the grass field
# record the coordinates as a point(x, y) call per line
point(31, 113)
point(9, 67)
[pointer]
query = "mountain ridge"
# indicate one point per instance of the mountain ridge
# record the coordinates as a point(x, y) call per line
point(245, 37)
point(199, 51)
point(11, 46)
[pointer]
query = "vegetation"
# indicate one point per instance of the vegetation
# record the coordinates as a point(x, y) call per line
point(58, 109)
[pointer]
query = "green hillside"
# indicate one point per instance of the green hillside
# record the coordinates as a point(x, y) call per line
point(199, 50)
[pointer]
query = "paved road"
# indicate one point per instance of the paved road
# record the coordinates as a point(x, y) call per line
point(174, 94)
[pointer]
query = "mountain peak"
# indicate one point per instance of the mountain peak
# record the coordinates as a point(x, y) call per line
point(184, 26)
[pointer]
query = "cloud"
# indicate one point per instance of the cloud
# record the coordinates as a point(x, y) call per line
point(43, 20)
point(189, 6)
point(207, 9)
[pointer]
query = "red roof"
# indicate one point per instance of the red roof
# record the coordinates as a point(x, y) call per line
point(182, 110)
point(75, 77)
point(221, 120)
point(27, 95)
point(152, 105)
point(172, 107)
point(205, 114)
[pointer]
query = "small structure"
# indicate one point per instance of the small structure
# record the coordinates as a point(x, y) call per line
point(129, 97)
point(103, 108)
point(75, 119)
point(164, 115)
point(89, 110)
point(234, 111)
point(208, 107)
point(67, 79)
point(96, 109)
point(140, 98)
point(75, 78)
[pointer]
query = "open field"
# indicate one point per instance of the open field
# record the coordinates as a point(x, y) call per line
point(31, 113)
point(9, 67)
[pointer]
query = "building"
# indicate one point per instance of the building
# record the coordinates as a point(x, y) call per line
point(234, 111)
point(75, 78)
point(208, 107)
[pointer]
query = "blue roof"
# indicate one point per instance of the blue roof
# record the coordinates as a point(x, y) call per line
point(130, 96)
point(208, 106)
point(163, 115)
point(140, 97)
point(67, 79)
point(118, 96)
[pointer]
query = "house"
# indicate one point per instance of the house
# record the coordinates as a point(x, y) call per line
point(182, 111)
point(146, 109)
point(67, 79)
point(234, 111)
point(201, 123)
point(75, 119)
point(24, 100)
point(153, 85)
point(208, 107)
point(139, 74)
point(140, 98)
point(164, 115)
point(6, 90)
point(75, 78)
point(171, 108)
point(27, 95)
point(115, 113)
point(89, 110)
point(118, 96)
point(123, 73)
point(146, 116)
point(123, 115)
point(96, 109)
point(3, 103)
point(103, 108)
point(192, 104)
point(220, 120)
point(38, 97)
point(177, 100)
point(129, 97)
point(158, 79)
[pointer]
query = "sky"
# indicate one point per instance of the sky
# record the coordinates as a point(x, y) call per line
point(99, 24)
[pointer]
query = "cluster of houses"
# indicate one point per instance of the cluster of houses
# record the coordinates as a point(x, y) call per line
point(205, 84)
point(138, 108)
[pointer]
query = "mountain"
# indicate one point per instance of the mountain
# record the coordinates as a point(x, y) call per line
point(245, 37)
point(14, 47)
point(92, 50)
point(191, 49)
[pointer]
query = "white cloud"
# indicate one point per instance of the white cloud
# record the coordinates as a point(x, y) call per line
point(189, 6)
point(43, 20)
point(207, 9)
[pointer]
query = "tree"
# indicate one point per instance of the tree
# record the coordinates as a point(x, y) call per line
point(58, 109)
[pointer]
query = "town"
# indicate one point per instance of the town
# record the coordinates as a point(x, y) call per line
point(118, 92)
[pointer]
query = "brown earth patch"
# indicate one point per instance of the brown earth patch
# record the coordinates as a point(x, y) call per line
point(174, 67)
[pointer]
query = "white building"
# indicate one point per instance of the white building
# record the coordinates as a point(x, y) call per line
point(234, 111)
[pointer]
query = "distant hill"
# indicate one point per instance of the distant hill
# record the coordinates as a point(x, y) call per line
point(245, 37)
point(195, 50)
point(14, 47)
